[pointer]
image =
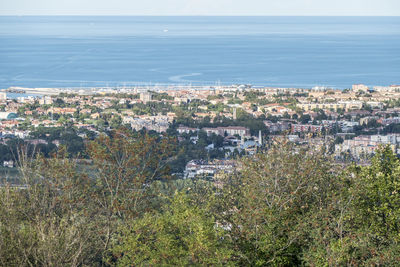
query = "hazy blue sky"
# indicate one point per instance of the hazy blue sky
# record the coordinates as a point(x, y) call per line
point(201, 7)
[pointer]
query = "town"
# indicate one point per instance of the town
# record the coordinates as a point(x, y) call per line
point(213, 125)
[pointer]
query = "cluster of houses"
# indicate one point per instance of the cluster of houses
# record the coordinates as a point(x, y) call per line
point(363, 146)
point(202, 168)
point(159, 123)
point(345, 111)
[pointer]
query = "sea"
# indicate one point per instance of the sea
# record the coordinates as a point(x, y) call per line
point(97, 51)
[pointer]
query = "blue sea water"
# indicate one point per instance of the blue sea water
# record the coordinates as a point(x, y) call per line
point(75, 51)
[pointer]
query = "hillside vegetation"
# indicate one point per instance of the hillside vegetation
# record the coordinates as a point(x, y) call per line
point(283, 207)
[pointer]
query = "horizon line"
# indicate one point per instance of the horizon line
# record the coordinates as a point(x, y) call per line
point(180, 15)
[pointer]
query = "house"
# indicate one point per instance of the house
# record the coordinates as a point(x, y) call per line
point(184, 129)
point(298, 128)
point(229, 130)
point(203, 168)
point(8, 163)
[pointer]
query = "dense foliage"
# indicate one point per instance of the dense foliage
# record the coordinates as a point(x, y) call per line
point(287, 206)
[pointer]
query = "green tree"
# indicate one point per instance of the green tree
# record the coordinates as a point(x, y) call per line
point(376, 207)
point(183, 234)
point(124, 166)
point(45, 224)
point(269, 203)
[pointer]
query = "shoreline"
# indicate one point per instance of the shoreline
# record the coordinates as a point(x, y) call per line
point(39, 91)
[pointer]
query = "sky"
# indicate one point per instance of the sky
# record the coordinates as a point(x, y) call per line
point(202, 7)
